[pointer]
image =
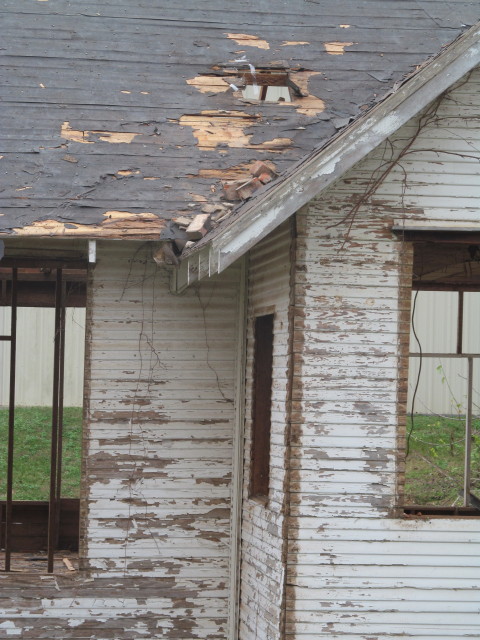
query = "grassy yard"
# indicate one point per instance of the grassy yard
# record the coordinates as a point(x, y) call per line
point(435, 464)
point(31, 480)
point(434, 471)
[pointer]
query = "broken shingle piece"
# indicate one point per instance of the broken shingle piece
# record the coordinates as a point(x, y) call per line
point(249, 188)
point(199, 226)
point(259, 168)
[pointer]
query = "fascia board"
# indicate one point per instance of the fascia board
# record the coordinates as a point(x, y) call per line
point(321, 168)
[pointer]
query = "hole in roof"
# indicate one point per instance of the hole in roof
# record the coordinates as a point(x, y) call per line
point(266, 93)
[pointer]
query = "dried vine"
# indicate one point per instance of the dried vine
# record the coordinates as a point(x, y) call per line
point(381, 173)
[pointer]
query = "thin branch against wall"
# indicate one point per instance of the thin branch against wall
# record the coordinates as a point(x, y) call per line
point(379, 175)
point(203, 307)
point(147, 367)
point(412, 408)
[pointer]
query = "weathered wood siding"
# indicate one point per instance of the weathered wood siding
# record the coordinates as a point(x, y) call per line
point(157, 476)
point(263, 553)
point(356, 570)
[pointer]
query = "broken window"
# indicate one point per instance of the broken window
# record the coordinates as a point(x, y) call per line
point(261, 406)
point(442, 475)
point(42, 314)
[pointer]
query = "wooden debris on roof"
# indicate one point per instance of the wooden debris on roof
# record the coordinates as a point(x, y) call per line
point(199, 226)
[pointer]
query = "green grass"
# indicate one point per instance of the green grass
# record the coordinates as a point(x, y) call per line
point(31, 475)
point(435, 463)
point(434, 469)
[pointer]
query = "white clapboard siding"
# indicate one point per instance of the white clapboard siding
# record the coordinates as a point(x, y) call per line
point(161, 412)
point(34, 373)
point(355, 570)
point(262, 564)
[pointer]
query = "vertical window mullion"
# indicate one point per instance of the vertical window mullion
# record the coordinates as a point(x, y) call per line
point(56, 426)
point(11, 423)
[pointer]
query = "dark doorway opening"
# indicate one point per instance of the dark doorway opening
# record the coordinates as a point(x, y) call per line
point(39, 503)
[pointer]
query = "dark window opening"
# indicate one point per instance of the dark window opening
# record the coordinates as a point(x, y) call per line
point(42, 305)
point(261, 405)
point(442, 473)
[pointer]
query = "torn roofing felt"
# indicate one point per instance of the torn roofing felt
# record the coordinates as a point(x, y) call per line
point(121, 117)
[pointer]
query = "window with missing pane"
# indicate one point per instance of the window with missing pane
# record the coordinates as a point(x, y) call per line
point(442, 446)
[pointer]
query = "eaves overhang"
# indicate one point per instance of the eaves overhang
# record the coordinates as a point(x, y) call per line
point(319, 169)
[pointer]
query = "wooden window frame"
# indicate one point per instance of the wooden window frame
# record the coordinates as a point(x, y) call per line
point(471, 505)
point(264, 335)
point(44, 283)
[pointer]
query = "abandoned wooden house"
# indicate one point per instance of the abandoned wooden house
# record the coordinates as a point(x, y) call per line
point(242, 196)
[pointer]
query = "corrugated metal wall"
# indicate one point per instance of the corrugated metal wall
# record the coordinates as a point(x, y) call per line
point(442, 384)
point(262, 562)
point(34, 379)
point(356, 570)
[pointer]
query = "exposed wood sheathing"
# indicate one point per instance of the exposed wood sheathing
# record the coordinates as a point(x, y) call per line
point(115, 137)
point(157, 473)
point(336, 48)
point(116, 224)
point(227, 128)
point(94, 88)
point(263, 560)
point(246, 40)
point(355, 569)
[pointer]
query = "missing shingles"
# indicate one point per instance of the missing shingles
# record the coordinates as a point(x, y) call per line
point(246, 40)
point(275, 84)
point(115, 224)
point(78, 135)
point(336, 48)
point(214, 128)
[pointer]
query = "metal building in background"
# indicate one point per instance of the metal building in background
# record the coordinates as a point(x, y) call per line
point(35, 347)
